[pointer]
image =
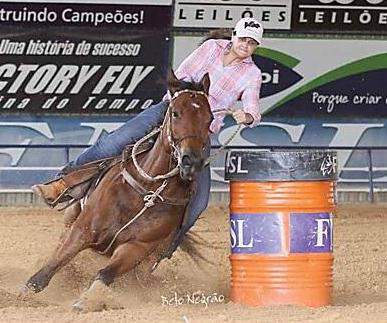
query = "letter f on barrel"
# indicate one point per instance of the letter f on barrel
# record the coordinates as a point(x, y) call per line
point(324, 227)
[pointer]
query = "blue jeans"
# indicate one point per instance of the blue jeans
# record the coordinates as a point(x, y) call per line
point(114, 143)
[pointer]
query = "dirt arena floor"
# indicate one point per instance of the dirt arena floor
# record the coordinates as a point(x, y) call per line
point(28, 235)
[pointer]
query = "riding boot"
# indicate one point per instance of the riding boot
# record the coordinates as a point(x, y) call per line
point(51, 192)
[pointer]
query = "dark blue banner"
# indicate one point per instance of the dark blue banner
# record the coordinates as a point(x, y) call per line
point(137, 17)
point(82, 68)
point(360, 95)
point(22, 167)
point(349, 16)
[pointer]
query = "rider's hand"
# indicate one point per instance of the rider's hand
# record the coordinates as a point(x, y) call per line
point(242, 117)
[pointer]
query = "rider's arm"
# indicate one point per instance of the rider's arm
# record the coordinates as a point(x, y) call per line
point(250, 99)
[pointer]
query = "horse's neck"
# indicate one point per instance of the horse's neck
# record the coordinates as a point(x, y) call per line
point(158, 159)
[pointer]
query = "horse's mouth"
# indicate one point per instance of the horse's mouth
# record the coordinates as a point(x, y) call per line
point(189, 167)
point(185, 176)
point(186, 173)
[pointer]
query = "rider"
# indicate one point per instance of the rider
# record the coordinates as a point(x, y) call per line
point(233, 76)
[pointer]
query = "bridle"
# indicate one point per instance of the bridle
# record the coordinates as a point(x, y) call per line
point(173, 142)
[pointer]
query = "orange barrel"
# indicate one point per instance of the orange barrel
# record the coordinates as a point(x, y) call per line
point(281, 208)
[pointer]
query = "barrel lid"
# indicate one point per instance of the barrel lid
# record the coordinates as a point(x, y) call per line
point(281, 165)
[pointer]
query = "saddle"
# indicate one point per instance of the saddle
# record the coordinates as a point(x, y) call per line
point(82, 180)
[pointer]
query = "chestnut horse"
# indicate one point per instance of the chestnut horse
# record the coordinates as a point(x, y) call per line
point(138, 207)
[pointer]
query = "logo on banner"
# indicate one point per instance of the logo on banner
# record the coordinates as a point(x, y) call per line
point(273, 14)
point(340, 15)
point(29, 80)
point(340, 92)
point(278, 71)
point(88, 75)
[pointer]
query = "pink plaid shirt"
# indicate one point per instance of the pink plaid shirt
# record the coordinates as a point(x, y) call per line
point(228, 83)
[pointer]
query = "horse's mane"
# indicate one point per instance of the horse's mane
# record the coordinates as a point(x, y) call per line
point(222, 33)
point(184, 85)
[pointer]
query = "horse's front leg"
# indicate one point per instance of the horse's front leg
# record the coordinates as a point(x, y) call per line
point(71, 244)
point(71, 214)
point(150, 263)
point(124, 259)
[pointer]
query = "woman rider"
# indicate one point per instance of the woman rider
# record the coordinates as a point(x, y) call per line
point(233, 76)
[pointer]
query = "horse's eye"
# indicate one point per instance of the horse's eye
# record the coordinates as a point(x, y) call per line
point(175, 114)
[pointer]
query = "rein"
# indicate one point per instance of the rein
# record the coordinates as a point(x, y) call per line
point(171, 141)
point(171, 173)
point(149, 201)
point(210, 159)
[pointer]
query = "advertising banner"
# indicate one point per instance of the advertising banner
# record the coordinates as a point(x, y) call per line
point(317, 92)
point(100, 59)
point(22, 167)
point(317, 77)
point(274, 14)
point(125, 2)
point(369, 16)
point(302, 101)
point(107, 14)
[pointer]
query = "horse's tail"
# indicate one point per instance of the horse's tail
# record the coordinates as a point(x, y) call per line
point(222, 33)
point(191, 246)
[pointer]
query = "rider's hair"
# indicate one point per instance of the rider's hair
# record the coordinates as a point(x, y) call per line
point(222, 33)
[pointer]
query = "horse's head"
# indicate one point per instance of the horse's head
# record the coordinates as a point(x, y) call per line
point(189, 118)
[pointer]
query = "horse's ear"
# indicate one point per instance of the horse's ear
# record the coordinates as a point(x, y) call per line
point(206, 83)
point(173, 82)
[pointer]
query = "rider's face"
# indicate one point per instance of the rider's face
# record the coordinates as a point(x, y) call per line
point(243, 47)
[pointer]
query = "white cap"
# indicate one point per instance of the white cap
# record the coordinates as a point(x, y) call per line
point(249, 27)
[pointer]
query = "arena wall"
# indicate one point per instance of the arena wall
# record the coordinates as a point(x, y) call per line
point(323, 81)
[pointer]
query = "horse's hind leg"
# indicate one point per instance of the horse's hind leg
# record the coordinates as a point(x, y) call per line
point(70, 246)
point(124, 259)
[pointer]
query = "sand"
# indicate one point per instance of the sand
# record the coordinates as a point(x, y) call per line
point(29, 235)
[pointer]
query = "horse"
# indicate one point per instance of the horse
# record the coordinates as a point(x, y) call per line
point(134, 213)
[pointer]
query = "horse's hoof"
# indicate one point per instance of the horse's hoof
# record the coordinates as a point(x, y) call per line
point(78, 306)
point(85, 306)
point(25, 292)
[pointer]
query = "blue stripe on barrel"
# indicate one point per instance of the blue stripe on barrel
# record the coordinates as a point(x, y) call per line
point(311, 232)
point(255, 233)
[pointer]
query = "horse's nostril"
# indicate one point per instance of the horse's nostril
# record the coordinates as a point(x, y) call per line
point(201, 163)
point(186, 161)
